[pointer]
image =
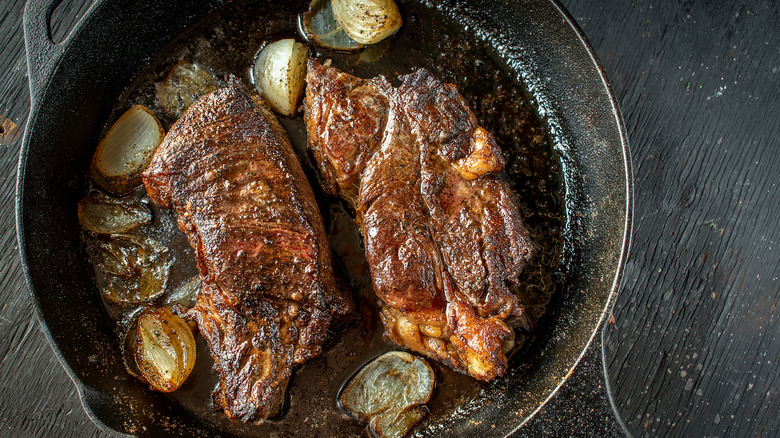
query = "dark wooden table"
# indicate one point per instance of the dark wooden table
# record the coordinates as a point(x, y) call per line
point(693, 349)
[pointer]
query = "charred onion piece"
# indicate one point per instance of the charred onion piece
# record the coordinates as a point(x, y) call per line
point(394, 424)
point(183, 85)
point(389, 393)
point(185, 294)
point(164, 348)
point(128, 348)
point(126, 149)
point(320, 27)
point(107, 215)
point(131, 269)
point(279, 72)
point(367, 21)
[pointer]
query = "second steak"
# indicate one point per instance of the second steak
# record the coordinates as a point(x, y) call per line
point(443, 235)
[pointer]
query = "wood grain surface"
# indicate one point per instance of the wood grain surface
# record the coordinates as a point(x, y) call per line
point(695, 349)
point(694, 346)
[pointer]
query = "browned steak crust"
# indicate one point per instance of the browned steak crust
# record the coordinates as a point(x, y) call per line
point(228, 170)
point(442, 232)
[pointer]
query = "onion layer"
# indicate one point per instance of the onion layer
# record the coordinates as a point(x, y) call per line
point(130, 269)
point(280, 70)
point(389, 393)
point(106, 215)
point(126, 149)
point(165, 349)
point(185, 294)
point(183, 85)
point(367, 21)
point(320, 27)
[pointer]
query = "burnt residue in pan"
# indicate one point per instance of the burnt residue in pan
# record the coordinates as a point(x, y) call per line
point(226, 43)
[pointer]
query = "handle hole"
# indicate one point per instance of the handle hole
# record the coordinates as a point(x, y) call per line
point(65, 16)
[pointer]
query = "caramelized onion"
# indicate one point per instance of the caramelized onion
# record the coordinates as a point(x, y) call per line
point(130, 269)
point(367, 21)
point(185, 294)
point(165, 349)
point(320, 27)
point(126, 149)
point(389, 393)
point(280, 70)
point(106, 215)
point(394, 424)
point(183, 85)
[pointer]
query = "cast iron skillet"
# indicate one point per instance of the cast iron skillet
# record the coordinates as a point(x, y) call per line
point(75, 84)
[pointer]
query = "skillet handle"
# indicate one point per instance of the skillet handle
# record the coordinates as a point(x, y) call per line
point(43, 55)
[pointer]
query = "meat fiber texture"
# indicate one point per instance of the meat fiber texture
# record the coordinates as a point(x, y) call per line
point(442, 232)
point(228, 170)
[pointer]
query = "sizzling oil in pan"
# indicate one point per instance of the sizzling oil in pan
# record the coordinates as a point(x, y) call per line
point(226, 42)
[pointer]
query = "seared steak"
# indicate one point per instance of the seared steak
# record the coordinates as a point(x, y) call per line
point(228, 170)
point(442, 232)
